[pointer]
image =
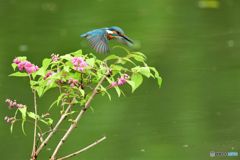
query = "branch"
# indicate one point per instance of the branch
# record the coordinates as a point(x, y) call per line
point(35, 126)
point(55, 128)
point(84, 149)
point(74, 124)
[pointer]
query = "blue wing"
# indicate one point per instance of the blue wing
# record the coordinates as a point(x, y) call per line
point(98, 40)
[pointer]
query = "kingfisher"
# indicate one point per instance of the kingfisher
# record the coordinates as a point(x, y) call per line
point(98, 38)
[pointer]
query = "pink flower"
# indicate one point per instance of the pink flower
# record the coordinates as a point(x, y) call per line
point(30, 68)
point(6, 118)
point(16, 60)
point(79, 63)
point(125, 75)
point(123, 80)
point(20, 105)
point(72, 85)
point(75, 81)
point(54, 57)
point(120, 82)
point(114, 84)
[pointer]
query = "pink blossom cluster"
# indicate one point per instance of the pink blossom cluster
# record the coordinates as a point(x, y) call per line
point(72, 81)
point(49, 73)
point(79, 63)
point(8, 119)
point(54, 57)
point(30, 68)
point(120, 80)
point(11, 104)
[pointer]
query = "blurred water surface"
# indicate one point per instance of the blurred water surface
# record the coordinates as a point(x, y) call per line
point(194, 44)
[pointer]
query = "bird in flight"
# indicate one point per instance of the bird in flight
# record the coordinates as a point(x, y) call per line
point(98, 38)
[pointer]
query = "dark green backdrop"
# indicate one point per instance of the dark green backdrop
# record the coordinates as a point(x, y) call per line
point(194, 44)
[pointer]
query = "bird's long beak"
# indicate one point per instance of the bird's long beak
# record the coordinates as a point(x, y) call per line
point(128, 39)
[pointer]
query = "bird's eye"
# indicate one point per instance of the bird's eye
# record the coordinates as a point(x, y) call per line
point(118, 33)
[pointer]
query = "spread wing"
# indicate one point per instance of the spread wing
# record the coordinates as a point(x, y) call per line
point(98, 40)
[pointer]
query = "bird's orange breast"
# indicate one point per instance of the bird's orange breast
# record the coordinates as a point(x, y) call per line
point(110, 36)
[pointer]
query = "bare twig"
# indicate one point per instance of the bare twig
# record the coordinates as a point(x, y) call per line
point(84, 149)
point(40, 137)
point(35, 126)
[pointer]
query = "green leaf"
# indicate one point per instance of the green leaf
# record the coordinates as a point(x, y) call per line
point(23, 58)
point(91, 108)
point(159, 81)
point(82, 92)
point(67, 57)
point(109, 80)
point(136, 57)
point(49, 121)
point(46, 63)
point(59, 98)
point(31, 115)
point(14, 65)
point(66, 68)
point(132, 83)
point(155, 71)
point(33, 82)
point(140, 59)
point(52, 104)
point(117, 67)
point(71, 112)
point(19, 74)
point(78, 53)
point(39, 91)
point(118, 90)
point(11, 128)
point(23, 127)
point(24, 112)
point(41, 72)
point(105, 91)
point(137, 79)
point(49, 87)
point(121, 61)
point(42, 120)
point(127, 59)
point(139, 53)
point(34, 75)
point(24, 116)
point(73, 121)
point(90, 61)
point(111, 57)
point(145, 71)
point(74, 101)
point(135, 69)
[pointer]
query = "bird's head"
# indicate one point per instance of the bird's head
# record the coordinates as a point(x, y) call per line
point(116, 32)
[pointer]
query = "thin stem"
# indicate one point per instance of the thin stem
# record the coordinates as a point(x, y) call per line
point(115, 63)
point(60, 90)
point(28, 121)
point(84, 149)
